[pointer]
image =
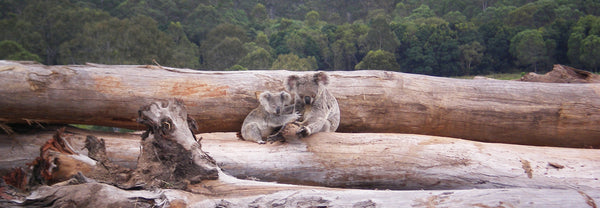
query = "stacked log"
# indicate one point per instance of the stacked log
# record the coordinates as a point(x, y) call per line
point(370, 101)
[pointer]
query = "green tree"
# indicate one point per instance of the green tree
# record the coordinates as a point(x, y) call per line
point(470, 54)
point(312, 18)
point(496, 38)
point(45, 25)
point(428, 46)
point(223, 55)
point(528, 47)
point(345, 49)
point(590, 52)
point(422, 12)
point(294, 63)
point(223, 47)
point(586, 26)
point(380, 35)
point(237, 68)
point(455, 17)
point(129, 41)
point(11, 50)
point(162, 11)
point(379, 60)
point(200, 21)
point(184, 52)
point(295, 43)
point(259, 13)
point(257, 59)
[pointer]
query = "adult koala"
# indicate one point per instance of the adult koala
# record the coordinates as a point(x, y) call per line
point(319, 109)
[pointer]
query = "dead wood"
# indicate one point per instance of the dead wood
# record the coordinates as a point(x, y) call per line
point(382, 161)
point(563, 74)
point(370, 101)
point(170, 157)
point(249, 194)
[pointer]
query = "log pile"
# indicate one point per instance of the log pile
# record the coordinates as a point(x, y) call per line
point(176, 168)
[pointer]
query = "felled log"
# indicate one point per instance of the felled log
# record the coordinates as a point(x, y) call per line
point(563, 74)
point(231, 192)
point(382, 161)
point(273, 195)
point(370, 101)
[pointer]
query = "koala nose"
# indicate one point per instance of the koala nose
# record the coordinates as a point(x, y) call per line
point(307, 100)
point(278, 110)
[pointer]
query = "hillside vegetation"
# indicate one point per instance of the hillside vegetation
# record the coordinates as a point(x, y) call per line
point(434, 37)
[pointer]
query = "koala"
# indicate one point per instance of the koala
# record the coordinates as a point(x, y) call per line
point(319, 108)
point(274, 111)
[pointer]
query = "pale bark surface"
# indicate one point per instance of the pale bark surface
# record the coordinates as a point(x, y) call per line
point(382, 161)
point(370, 101)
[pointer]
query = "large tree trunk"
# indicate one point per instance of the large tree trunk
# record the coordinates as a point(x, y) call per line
point(370, 101)
point(382, 161)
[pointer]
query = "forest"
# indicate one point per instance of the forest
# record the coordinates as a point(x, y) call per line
point(433, 37)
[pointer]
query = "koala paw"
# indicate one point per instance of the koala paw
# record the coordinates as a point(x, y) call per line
point(261, 142)
point(296, 115)
point(303, 132)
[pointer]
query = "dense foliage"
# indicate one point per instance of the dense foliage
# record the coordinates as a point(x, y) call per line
point(436, 37)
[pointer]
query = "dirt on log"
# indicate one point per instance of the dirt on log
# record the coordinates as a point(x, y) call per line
point(563, 74)
point(370, 101)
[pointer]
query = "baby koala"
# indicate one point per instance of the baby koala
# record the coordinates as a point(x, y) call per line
point(275, 110)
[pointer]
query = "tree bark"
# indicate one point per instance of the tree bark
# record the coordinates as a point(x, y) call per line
point(381, 161)
point(370, 101)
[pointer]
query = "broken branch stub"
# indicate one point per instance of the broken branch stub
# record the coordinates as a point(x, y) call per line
point(171, 156)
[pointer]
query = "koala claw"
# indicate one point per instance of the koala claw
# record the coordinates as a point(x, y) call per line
point(262, 142)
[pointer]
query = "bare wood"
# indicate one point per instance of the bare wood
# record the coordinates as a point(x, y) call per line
point(383, 161)
point(563, 74)
point(370, 101)
point(242, 194)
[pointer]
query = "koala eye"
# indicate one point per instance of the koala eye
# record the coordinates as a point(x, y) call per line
point(307, 100)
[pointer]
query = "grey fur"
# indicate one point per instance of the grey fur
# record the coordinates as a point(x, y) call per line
point(274, 111)
point(319, 108)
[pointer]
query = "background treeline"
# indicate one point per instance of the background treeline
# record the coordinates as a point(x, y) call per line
point(435, 37)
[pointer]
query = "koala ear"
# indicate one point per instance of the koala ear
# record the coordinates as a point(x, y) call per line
point(291, 82)
point(321, 78)
point(285, 97)
point(264, 97)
